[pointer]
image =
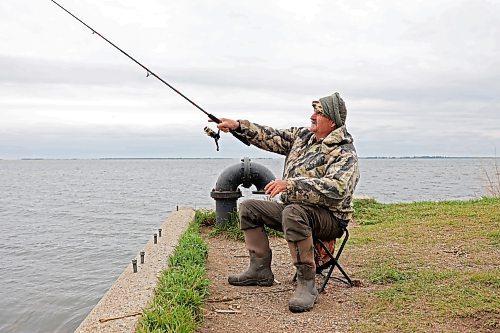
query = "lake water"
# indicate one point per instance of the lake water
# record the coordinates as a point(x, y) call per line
point(68, 228)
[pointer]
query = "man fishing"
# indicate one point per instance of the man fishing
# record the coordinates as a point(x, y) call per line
point(320, 174)
point(319, 178)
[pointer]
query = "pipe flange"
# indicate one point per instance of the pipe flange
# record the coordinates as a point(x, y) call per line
point(259, 192)
point(225, 194)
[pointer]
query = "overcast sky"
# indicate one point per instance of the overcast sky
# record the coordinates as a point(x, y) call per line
point(418, 78)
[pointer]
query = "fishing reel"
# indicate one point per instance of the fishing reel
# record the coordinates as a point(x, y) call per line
point(211, 133)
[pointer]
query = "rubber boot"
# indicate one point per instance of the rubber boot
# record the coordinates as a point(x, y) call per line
point(259, 271)
point(305, 294)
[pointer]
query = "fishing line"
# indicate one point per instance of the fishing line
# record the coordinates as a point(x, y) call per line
point(149, 72)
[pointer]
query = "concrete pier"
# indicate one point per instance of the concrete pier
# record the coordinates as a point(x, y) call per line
point(121, 307)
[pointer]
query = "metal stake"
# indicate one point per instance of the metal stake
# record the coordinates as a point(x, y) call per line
point(134, 265)
point(142, 257)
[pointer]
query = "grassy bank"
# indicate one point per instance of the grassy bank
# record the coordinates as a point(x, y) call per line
point(424, 267)
point(182, 288)
point(431, 266)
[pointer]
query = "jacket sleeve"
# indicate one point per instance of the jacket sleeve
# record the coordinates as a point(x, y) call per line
point(337, 184)
point(268, 138)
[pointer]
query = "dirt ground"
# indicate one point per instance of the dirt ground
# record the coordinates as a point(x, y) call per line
point(265, 309)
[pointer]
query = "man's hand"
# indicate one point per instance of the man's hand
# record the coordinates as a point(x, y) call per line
point(226, 124)
point(275, 187)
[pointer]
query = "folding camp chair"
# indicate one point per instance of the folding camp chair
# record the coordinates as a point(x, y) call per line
point(331, 263)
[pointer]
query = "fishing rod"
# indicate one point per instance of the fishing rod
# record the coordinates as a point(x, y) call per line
point(208, 131)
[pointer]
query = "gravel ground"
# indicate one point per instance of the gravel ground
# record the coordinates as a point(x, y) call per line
point(265, 309)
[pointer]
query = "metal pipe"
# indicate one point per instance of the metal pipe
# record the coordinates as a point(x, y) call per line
point(226, 192)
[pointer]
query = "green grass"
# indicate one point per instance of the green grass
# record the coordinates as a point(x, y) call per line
point(434, 266)
point(231, 229)
point(414, 303)
point(182, 288)
point(386, 272)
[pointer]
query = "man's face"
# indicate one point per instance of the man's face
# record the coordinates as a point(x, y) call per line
point(321, 125)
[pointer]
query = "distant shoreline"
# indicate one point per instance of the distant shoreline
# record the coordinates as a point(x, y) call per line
point(424, 157)
point(254, 158)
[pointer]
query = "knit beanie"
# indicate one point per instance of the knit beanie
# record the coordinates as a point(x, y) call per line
point(334, 108)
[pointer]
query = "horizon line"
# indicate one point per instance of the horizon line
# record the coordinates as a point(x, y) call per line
point(228, 158)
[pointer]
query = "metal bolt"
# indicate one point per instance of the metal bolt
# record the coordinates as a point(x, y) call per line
point(134, 265)
point(159, 232)
point(142, 257)
point(156, 239)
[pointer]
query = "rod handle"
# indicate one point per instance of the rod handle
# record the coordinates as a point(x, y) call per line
point(235, 134)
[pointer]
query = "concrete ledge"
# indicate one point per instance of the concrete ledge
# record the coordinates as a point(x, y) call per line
point(120, 308)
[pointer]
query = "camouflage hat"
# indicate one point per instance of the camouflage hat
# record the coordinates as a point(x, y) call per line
point(334, 108)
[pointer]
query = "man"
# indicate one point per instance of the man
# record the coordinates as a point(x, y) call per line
point(320, 174)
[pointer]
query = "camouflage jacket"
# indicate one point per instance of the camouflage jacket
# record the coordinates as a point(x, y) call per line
point(318, 172)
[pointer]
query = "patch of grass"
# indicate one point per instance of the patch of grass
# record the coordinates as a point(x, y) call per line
point(487, 278)
point(205, 217)
point(386, 272)
point(428, 297)
point(433, 265)
point(367, 211)
point(274, 233)
point(182, 288)
point(231, 229)
point(494, 236)
point(359, 241)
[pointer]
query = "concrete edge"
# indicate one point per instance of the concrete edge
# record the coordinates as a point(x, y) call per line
point(120, 308)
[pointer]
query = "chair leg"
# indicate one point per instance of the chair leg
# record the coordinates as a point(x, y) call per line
point(347, 279)
point(333, 262)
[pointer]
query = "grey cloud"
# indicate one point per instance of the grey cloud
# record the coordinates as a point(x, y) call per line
point(34, 70)
point(395, 85)
point(415, 76)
